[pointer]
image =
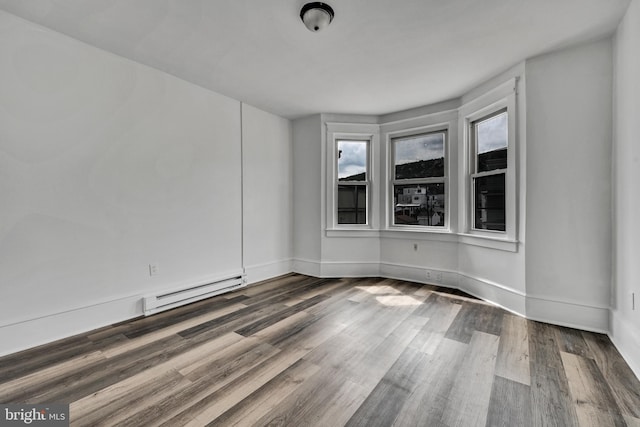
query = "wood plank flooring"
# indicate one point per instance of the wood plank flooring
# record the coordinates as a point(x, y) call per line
point(302, 351)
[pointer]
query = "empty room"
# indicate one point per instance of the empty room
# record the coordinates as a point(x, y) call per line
point(362, 212)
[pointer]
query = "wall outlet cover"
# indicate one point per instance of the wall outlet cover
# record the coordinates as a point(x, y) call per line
point(154, 269)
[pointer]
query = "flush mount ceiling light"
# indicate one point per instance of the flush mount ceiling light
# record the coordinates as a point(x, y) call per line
point(316, 15)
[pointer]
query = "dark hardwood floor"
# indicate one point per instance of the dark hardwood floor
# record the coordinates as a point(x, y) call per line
point(301, 351)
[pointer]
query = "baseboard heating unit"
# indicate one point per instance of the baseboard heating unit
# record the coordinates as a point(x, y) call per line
point(152, 304)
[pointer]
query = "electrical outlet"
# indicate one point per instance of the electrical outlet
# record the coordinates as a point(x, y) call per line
point(154, 269)
point(415, 246)
point(439, 277)
point(428, 274)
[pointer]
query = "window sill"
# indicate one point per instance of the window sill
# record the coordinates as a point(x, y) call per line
point(420, 234)
point(489, 242)
point(352, 232)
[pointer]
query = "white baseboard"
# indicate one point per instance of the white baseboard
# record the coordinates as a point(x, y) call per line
point(307, 267)
point(571, 315)
point(259, 272)
point(627, 341)
point(350, 269)
point(28, 333)
point(547, 310)
point(503, 296)
point(31, 333)
point(336, 269)
point(418, 274)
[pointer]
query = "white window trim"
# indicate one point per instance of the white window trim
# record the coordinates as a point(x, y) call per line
point(354, 132)
point(422, 130)
point(502, 97)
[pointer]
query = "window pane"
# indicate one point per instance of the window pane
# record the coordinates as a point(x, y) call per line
point(352, 204)
point(419, 204)
point(490, 202)
point(491, 137)
point(419, 156)
point(352, 160)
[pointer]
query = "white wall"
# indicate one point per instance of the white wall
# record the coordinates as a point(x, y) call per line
point(625, 322)
point(107, 166)
point(267, 194)
point(568, 261)
point(494, 275)
point(399, 258)
point(307, 227)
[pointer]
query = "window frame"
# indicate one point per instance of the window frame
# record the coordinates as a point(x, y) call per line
point(392, 137)
point(333, 132)
point(502, 99)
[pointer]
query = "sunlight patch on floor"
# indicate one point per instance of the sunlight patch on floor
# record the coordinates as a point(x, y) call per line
point(398, 300)
point(378, 290)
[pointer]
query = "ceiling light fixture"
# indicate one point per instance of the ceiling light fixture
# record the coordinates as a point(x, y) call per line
point(316, 15)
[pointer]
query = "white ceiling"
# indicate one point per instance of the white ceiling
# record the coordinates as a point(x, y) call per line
point(377, 57)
